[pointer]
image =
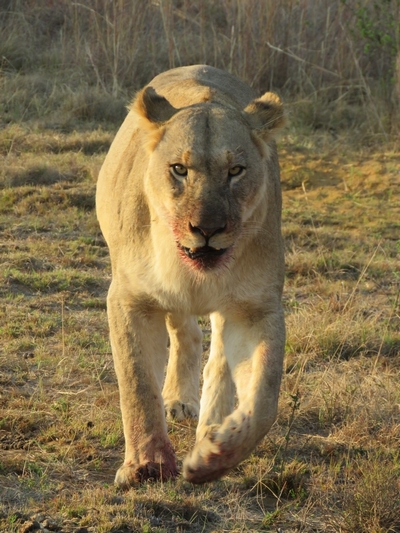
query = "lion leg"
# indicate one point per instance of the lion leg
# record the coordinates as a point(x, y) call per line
point(139, 345)
point(181, 387)
point(218, 394)
point(254, 353)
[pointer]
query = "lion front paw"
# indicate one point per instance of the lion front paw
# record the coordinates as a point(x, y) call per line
point(131, 475)
point(211, 458)
point(207, 466)
point(178, 411)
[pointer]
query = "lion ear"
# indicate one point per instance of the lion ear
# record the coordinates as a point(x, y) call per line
point(265, 115)
point(152, 107)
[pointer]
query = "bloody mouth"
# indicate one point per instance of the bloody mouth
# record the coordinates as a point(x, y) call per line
point(204, 257)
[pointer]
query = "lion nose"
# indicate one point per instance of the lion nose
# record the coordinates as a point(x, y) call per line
point(207, 231)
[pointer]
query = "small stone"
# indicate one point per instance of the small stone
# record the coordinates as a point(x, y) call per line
point(30, 525)
point(39, 517)
point(49, 525)
point(117, 500)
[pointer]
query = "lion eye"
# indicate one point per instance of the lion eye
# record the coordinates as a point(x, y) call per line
point(235, 171)
point(179, 171)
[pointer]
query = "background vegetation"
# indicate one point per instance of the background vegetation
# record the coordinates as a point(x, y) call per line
point(62, 61)
point(67, 71)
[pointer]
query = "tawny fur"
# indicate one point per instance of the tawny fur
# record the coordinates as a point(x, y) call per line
point(211, 123)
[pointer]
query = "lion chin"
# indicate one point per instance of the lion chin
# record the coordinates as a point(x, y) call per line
point(189, 202)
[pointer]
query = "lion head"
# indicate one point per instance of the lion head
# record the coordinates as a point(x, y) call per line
point(207, 170)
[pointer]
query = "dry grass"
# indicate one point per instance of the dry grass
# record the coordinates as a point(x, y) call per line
point(331, 462)
point(66, 62)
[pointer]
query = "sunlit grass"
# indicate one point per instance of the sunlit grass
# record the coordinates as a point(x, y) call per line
point(325, 461)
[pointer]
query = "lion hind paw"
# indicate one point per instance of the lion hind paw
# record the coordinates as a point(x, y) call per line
point(179, 411)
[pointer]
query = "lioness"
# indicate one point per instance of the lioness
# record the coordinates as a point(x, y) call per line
point(189, 202)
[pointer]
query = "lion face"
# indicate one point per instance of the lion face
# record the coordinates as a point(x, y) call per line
point(206, 175)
